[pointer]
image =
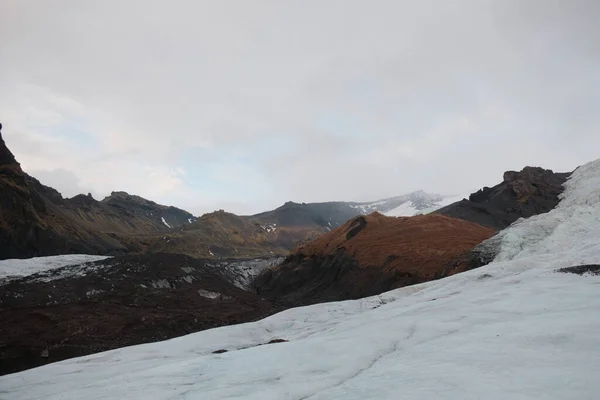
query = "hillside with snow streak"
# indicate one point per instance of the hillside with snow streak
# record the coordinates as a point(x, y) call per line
point(515, 328)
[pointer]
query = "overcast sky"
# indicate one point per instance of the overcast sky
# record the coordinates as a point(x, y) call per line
point(244, 105)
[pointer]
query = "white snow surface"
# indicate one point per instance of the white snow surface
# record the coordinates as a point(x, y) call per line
point(514, 329)
point(403, 210)
point(24, 267)
point(165, 222)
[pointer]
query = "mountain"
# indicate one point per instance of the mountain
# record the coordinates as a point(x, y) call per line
point(524, 325)
point(330, 215)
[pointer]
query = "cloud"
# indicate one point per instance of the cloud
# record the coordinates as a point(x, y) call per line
point(270, 101)
point(68, 182)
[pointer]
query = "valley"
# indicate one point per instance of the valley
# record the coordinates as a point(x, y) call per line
point(148, 272)
point(534, 302)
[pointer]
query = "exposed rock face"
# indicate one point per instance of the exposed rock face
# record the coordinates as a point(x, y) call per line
point(369, 255)
point(522, 194)
point(84, 309)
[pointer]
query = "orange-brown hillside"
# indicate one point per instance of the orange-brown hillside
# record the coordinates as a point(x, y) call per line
point(418, 244)
point(371, 254)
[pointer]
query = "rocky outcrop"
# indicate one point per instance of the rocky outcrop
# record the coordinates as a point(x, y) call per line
point(521, 194)
point(369, 255)
point(97, 306)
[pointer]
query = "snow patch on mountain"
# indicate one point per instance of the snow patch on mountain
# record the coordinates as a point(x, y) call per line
point(269, 227)
point(165, 222)
point(406, 209)
point(515, 327)
point(446, 201)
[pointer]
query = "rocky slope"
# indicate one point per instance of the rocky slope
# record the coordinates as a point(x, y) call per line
point(369, 255)
point(90, 307)
point(522, 194)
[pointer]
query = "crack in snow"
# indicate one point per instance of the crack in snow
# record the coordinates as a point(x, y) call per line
point(389, 351)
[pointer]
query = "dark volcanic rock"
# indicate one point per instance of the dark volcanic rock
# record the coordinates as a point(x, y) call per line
point(522, 194)
point(84, 309)
point(591, 269)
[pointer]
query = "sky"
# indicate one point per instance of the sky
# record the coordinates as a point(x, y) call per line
point(244, 105)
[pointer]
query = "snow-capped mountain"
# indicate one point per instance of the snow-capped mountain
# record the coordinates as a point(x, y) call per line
point(410, 204)
point(332, 214)
point(525, 325)
point(422, 203)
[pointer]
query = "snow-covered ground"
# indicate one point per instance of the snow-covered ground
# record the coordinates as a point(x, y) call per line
point(514, 329)
point(30, 266)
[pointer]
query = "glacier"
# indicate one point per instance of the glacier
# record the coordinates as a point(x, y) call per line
point(515, 328)
point(16, 268)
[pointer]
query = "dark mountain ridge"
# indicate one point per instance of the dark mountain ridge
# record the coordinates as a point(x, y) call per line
point(521, 194)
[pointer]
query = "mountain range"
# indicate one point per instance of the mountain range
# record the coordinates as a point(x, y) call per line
point(35, 220)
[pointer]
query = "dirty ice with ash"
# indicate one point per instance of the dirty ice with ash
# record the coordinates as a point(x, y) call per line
point(513, 329)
